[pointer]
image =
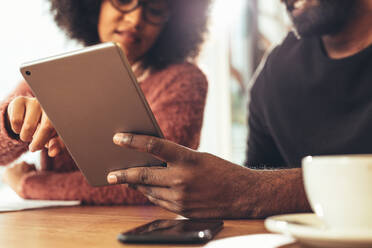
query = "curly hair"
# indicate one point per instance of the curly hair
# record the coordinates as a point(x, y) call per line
point(179, 40)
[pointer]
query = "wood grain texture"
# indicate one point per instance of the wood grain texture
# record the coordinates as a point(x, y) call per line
point(93, 226)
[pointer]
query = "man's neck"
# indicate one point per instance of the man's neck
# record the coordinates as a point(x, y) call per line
point(355, 37)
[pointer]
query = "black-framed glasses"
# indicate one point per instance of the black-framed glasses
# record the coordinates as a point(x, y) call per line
point(156, 12)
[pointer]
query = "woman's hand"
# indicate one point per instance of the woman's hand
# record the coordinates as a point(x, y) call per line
point(13, 175)
point(29, 121)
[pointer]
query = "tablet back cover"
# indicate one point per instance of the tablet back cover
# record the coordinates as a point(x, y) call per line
point(89, 95)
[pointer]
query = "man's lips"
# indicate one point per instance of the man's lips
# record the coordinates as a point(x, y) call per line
point(128, 36)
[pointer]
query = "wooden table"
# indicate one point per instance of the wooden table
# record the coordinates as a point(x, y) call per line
point(94, 227)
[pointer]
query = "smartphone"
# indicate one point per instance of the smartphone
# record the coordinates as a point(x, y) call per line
point(173, 231)
point(89, 95)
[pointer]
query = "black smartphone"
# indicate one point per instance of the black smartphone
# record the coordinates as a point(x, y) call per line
point(173, 231)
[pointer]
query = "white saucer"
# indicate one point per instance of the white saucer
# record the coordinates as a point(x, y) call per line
point(310, 231)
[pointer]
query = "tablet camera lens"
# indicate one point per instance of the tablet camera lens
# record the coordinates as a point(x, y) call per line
point(28, 73)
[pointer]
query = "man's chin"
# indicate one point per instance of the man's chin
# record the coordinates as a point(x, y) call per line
point(308, 29)
point(328, 17)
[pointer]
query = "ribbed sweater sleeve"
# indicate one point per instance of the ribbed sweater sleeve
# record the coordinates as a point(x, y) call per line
point(176, 96)
point(10, 147)
point(73, 186)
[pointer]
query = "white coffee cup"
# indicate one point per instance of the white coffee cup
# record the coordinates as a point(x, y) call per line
point(339, 189)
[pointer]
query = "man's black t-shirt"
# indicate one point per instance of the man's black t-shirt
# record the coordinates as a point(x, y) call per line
point(304, 103)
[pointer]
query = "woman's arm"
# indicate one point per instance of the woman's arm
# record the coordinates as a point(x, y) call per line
point(73, 186)
point(10, 146)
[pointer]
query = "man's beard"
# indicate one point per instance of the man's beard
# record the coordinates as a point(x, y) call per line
point(328, 17)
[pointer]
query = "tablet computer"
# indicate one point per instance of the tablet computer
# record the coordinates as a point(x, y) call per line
point(89, 95)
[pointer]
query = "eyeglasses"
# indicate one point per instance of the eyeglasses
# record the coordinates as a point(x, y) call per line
point(156, 12)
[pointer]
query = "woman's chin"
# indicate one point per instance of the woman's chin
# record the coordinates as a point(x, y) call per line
point(132, 59)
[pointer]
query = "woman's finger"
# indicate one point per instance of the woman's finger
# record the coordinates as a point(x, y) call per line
point(16, 112)
point(31, 120)
point(54, 147)
point(25, 167)
point(43, 134)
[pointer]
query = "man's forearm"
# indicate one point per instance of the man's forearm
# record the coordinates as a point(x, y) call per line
point(201, 185)
point(273, 192)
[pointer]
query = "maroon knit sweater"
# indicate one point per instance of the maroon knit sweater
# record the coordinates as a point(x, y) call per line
point(176, 96)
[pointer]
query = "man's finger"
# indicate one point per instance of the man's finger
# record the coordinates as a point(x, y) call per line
point(166, 204)
point(162, 149)
point(140, 175)
point(162, 193)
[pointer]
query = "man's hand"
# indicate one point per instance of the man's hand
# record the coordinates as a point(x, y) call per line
point(194, 184)
point(27, 119)
point(13, 175)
